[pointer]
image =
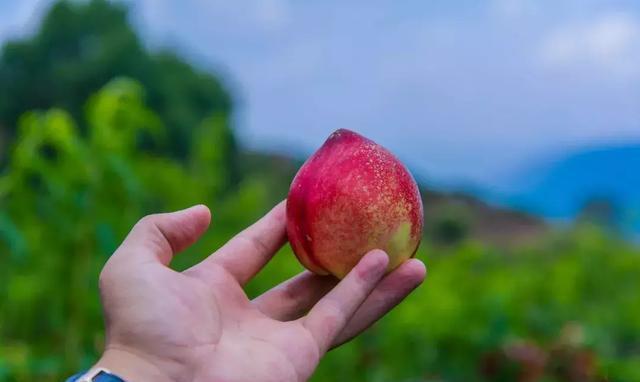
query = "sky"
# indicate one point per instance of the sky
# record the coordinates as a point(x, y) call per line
point(465, 92)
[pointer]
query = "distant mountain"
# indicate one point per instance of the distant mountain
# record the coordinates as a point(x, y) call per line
point(563, 187)
point(597, 181)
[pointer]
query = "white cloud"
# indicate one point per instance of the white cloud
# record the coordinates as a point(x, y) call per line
point(610, 43)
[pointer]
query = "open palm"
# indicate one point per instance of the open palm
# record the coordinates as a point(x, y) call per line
point(199, 325)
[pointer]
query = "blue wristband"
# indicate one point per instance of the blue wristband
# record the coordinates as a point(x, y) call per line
point(100, 375)
point(75, 377)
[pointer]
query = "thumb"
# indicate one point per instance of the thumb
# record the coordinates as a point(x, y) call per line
point(159, 237)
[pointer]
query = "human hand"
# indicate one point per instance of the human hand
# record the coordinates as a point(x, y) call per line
point(199, 325)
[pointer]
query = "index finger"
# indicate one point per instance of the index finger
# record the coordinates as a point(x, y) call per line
point(250, 250)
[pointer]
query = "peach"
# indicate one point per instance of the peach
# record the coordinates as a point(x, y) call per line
point(348, 198)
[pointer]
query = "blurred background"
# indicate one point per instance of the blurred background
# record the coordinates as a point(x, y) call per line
point(520, 119)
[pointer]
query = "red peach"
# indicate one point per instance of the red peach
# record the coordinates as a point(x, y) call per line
point(348, 198)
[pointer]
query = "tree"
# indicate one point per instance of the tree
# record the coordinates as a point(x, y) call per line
point(78, 48)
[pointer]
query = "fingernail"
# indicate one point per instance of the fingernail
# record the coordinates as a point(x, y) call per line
point(418, 264)
point(418, 269)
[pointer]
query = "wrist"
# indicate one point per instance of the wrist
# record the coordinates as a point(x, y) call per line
point(131, 366)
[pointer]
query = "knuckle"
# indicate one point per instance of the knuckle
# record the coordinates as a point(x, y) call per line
point(333, 317)
point(256, 243)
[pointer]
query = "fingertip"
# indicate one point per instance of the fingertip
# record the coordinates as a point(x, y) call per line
point(417, 269)
point(373, 265)
point(281, 208)
point(203, 209)
point(200, 208)
point(188, 225)
point(378, 258)
point(201, 213)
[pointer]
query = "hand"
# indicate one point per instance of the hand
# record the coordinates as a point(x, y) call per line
point(199, 325)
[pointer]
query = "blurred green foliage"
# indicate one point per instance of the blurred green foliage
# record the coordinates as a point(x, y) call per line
point(66, 202)
point(565, 308)
point(79, 47)
point(94, 158)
